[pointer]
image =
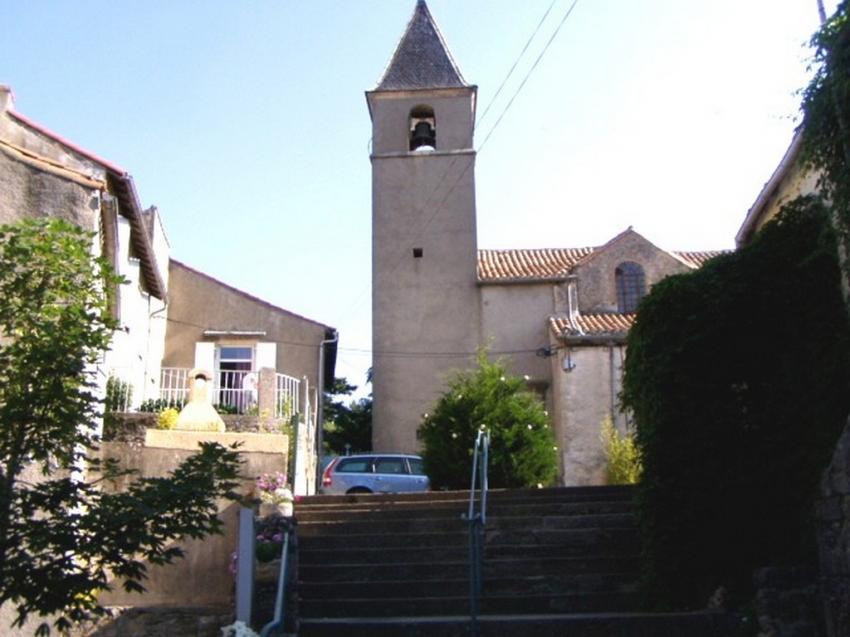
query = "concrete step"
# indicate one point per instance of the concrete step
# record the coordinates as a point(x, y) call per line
point(456, 553)
point(436, 571)
point(593, 602)
point(534, 510)
point(614, 514)
point(445, 587)
point(703, 624)
point(494, 495)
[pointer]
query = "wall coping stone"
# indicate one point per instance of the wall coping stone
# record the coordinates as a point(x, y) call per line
point(189, 440)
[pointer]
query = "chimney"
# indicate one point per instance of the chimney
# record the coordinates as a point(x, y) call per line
point(7, 98)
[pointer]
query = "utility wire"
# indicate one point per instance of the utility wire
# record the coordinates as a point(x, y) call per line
point(528, 75)
point(516, 62)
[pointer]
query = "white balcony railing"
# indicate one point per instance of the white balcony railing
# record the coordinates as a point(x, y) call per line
point(174, 385)
point(234, 391)
point(286, 396)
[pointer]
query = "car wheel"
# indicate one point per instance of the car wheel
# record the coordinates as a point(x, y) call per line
point(355, 490)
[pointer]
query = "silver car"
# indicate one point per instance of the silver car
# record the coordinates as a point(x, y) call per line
point(374, 473)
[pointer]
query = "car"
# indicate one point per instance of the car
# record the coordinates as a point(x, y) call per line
point(375, 473)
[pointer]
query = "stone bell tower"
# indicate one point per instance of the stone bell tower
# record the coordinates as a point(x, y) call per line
point(425, 301)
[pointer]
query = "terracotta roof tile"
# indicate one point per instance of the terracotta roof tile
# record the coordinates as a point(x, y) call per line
point(535, 264)
point(592, 324)
point(495, 266)
point(698, 259)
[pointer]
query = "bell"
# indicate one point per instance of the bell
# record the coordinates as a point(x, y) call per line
point(423, 135)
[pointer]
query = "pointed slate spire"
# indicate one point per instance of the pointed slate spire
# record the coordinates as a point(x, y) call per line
point(421, 59)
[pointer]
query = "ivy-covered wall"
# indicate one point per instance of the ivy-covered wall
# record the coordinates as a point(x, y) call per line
point(738, 377)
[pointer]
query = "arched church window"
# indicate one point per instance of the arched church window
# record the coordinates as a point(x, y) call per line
point(423, 129)
point(631, 286)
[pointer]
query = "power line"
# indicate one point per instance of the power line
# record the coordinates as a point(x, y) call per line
point(516, 62)
point(528, 75)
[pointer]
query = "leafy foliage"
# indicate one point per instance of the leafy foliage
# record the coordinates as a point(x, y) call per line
point(63, 536)
point(119, 394)
point(738, 378)
point(347, 427)
point(622, 456)
point(522, 446)
point(154, 406)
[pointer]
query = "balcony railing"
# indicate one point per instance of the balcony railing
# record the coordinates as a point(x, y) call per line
point(234, 391)
point(286, 395)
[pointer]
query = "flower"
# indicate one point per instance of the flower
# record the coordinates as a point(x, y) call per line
point(237, 629)
point(273, 489)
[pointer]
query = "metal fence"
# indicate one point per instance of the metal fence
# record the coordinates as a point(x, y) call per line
point(286, 396)
point(174, 385)
point(235, 391)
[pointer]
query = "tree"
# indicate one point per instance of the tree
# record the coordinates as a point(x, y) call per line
point(739, 382)
point(522, 445)
point(347, 427)
point(63, 535)
point(826, 129)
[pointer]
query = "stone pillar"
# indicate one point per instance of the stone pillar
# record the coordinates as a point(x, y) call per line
point(266, 390)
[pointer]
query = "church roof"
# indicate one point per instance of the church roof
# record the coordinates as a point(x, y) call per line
point(552, 264)
point(421, 59)
point(600, 324)
point(528, 264)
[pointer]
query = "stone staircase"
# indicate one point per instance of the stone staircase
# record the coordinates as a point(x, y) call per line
point(556, 562)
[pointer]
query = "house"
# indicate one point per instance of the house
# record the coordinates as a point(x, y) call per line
point(217, 327)
point(558, 316)
point(172, 318)
point(790, 179)
point(42, 175)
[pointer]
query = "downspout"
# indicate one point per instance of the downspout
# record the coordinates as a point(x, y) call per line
point(320, 400)
point(612, 381)
point(148, 342)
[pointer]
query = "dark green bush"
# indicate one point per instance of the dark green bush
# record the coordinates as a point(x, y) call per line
point(154, 406)
point(738, 378)
point(522, 446)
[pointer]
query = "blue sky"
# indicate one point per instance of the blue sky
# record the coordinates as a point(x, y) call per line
point(246, 123)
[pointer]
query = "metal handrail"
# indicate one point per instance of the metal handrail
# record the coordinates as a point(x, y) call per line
point(477, 520)
point(276, 624)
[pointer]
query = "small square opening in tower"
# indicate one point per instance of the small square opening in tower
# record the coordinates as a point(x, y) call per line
point(417, 253)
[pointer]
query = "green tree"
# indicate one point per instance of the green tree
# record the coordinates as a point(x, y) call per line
point(348, 426)
point(522, 446)
point(63, 535)
point(739, 381)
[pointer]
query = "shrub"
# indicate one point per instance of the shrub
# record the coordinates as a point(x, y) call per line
point(522, 447)
point(154, 406)
point(738, 379)
point(167, 418)
point(622, 457)
point(119, 394)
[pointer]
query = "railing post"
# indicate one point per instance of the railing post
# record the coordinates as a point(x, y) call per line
point(245, 565)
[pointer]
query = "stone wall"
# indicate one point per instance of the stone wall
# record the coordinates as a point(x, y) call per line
point(833, 525)
point(201, 578)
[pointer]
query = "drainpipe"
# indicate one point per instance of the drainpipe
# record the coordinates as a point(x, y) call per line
point(148, 345)
point(320, 411)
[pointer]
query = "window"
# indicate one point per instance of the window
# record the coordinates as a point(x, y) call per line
point(390, 465)
point(423, 129)
point(631, 286)
point(237, 380)
point(355, 465)
point(417, 467)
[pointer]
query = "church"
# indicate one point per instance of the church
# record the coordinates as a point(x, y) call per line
point(558, 317)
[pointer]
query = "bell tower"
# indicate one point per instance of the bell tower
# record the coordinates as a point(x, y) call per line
point(425, 301)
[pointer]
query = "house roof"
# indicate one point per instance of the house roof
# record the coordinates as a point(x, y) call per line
point(553, 264)
point(421, 60)
point(122, 186)
point(600, 324)
point(754, 214)
point(251, 297)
